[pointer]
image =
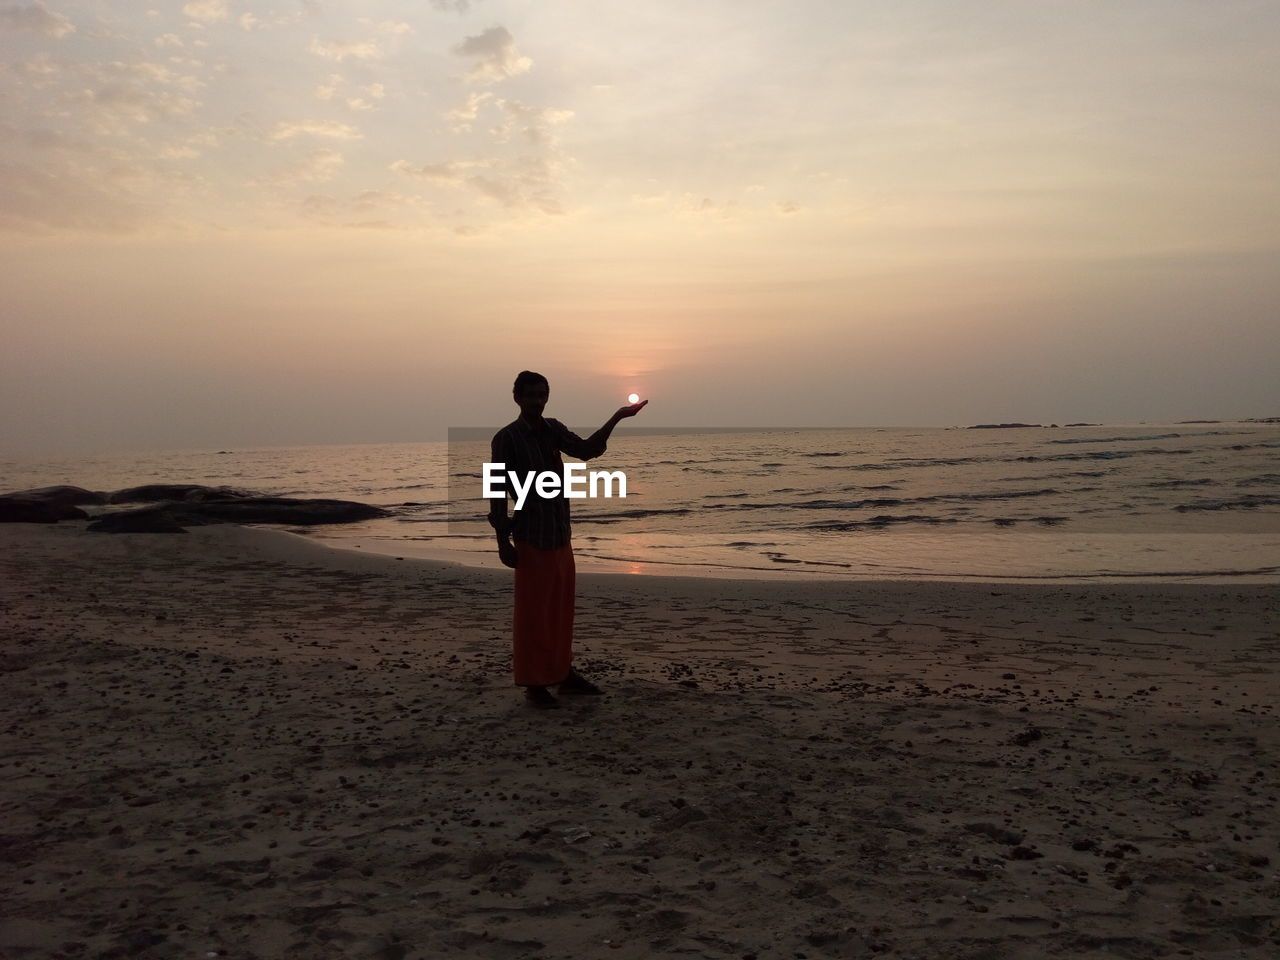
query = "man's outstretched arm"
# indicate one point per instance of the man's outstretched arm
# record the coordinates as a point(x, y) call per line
point(599, 440)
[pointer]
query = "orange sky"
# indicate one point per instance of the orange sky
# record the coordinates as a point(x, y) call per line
point(231, 222)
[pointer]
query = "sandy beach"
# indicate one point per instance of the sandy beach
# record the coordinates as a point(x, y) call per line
point(237, 743)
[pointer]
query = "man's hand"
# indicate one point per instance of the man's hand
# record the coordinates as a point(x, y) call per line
point(631, 411)
point(507, 553)
point(597, 441)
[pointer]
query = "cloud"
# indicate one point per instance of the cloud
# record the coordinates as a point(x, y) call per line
point(41, 199)
point(207, 11)
point(339, 51)
point(316, 128)
point(40, 72)
point(460, 117)
point(528, 183)
point(535, 123)
point(457, 6)
point(119, 93)
point(394, 27)
point(319, 166)
point(41, 138)
point(495, 54)
point(454, 171)
point(364, 210)
point(113, 104)
point(37, 17)
point(521, 169)
point(190, 148)
point(250, 22)
point(75, 185)
point(524, 182)
point(691, 203)
point(328, 89)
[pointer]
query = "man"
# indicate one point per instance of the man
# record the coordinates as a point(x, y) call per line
point(541, 553)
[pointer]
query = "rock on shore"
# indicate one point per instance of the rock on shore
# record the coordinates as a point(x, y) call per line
point(175, 506)
point(47, 504)
point(170, 516)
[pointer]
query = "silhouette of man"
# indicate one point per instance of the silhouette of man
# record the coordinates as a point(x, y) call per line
point(536, 541)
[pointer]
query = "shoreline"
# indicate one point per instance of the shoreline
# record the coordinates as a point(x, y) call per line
point(247, 744)
point(791, 571)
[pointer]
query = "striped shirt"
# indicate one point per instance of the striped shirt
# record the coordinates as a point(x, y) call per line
point(543, 522)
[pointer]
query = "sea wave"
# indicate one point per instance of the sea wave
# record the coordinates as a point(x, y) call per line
point(879, 522)
point(1153, 436)
point(891, 520)
point(1247, 502)
point(1100, 455)
point(1172, 484)
point(880, 502)
point(628, 515)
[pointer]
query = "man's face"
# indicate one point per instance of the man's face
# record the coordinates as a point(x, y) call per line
point(532, 400)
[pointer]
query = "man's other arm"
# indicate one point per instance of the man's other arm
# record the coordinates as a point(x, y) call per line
point(498, 518)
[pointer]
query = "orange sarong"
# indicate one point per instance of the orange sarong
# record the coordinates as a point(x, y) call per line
point(543, 627)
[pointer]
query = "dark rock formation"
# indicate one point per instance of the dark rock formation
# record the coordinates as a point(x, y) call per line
point(162, 518)
point(178, 505)
point(62, 495)
point(47, 504)
point(160, 492)
point(282, 510)
point(18, 510)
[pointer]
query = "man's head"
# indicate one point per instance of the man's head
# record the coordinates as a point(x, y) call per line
point(531, 391)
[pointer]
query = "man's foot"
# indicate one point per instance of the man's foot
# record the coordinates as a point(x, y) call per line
point(578, 685)
point(541, 698)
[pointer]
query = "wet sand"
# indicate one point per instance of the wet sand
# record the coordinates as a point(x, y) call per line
point(238, 743)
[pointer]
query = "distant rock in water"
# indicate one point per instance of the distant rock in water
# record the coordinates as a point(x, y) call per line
point(47, 504)
point(1002, 426)
point(1084, 424)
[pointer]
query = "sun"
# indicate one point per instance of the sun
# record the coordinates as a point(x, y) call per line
point(633, 398)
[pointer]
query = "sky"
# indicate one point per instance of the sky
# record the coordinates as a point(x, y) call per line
point(340, 221)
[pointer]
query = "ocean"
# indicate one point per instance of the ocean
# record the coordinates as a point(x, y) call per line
point(1156, 502)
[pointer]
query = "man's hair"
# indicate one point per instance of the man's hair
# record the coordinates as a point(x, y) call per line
point(526, 379)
